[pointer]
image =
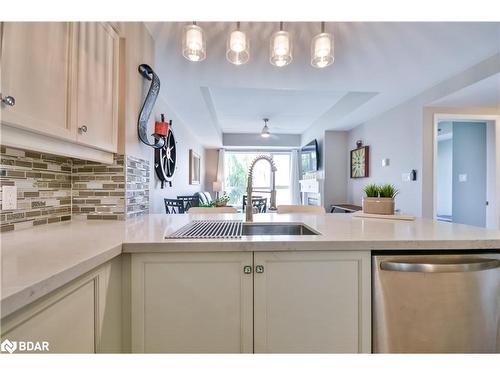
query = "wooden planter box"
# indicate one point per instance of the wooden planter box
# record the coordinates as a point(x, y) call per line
point(380, 206)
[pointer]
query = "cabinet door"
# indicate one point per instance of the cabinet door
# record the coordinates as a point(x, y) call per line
point(83, 316)
point(36, 70)
point(312, 302)
point(67, 322)
point(191, 303)
point(96, 97)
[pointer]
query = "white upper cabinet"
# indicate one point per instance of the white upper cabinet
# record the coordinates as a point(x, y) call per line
point(97, 86)
point(36, 70)
point(64, 79)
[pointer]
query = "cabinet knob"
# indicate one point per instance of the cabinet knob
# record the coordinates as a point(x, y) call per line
point(259, 268)
point(83, 129)
point(247, 269)
point(9, 100)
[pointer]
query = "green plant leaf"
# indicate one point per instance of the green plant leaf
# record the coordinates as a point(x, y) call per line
point(388, 191)
point(371, 190)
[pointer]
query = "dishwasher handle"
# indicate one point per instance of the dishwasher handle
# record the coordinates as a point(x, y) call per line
point(470, 265)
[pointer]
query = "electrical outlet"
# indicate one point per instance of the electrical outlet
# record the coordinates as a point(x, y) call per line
point(9, 197)
point(462, 177)
point(406, 177)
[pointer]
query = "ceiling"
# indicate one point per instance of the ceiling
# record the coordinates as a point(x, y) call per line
point(377, 66)
point(484, 93)
point(240, 110)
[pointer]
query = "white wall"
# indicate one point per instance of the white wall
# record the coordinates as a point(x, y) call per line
point(405, 134)
point(493, 174)
point(335, 167)
point(138, 48)
point(445, 177)
point(185, 140)
point(257, 141)
point(395, 135)
point(211, 164)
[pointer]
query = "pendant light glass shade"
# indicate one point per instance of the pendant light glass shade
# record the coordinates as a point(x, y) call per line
point(322, 49)
point(238, 47)
point(265, 130)
point(193, 43)
point(281, 48)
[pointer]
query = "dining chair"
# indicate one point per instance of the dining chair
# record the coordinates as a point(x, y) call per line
point(189, 201)
point(298, 208)
point(259, 205)
point(174, 206)
point(245, 200)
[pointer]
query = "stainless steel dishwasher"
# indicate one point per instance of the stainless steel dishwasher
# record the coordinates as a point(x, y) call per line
point(436, 303)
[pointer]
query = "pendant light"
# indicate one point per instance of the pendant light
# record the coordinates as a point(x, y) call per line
point(193, 43)
point(322, 49)
point(265, 130)
point(281, 48)
point(238, 47)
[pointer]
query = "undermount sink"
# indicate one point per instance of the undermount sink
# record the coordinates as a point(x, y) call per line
point(234, 229)
point(276, 229)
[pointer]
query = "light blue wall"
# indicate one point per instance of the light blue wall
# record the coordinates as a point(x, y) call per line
point(469, 157)
point(445, 177)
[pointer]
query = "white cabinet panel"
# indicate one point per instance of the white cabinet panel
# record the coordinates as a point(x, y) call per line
point(63, 77)
point(96, 97)
point(66, 324)
point(84, 316)
point(191, 303)
point(312, 302)
point(36, 65)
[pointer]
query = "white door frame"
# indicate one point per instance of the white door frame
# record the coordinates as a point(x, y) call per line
point(467, 118)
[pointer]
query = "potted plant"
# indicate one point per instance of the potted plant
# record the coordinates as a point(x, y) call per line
point(379, 199)
point(221, 201)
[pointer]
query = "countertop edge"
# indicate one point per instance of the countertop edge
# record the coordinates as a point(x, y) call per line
point(327, 245)
point(41, 288)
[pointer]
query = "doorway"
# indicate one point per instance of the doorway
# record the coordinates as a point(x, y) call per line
point(465, 188)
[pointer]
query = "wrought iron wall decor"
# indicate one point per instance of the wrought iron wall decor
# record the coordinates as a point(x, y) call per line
point(142, 123)
point(164, 141)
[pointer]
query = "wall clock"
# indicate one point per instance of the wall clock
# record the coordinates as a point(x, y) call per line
point(360, 162)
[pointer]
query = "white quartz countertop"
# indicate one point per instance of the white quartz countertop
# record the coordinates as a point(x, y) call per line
point(39, 260)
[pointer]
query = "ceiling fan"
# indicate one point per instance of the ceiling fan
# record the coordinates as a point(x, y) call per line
point(265, 132)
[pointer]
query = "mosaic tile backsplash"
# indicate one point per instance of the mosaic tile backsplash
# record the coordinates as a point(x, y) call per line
point(99, 189)
point(137, 192)
point(43, 188)
point(53, 188)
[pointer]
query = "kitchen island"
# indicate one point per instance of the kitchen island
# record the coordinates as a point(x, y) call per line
point(247, 288)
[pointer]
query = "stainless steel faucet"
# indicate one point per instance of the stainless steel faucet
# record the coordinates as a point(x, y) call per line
point(249, 208)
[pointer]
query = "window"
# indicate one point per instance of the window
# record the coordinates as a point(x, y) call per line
point(236, 165)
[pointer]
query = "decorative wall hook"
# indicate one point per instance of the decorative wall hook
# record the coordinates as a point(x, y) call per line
point(142, 123)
